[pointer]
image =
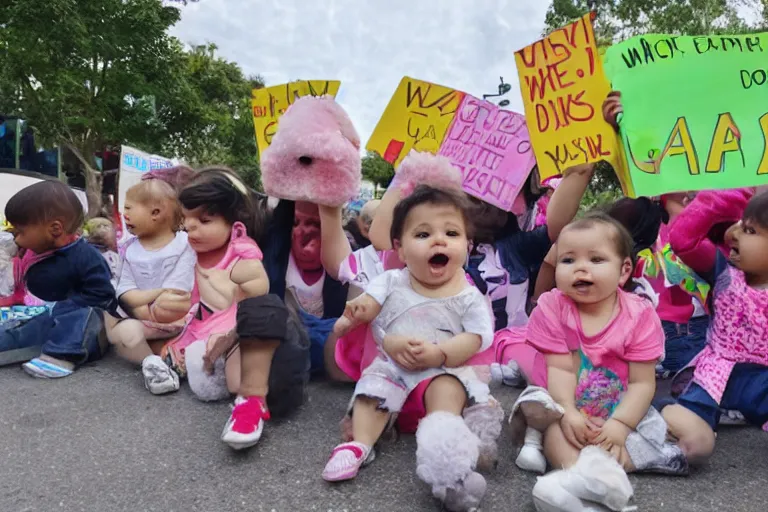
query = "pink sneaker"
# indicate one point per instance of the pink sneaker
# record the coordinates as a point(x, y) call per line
point(346, 460)
point(245, 424)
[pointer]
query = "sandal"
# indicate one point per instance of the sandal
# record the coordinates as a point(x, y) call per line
point(346, 460)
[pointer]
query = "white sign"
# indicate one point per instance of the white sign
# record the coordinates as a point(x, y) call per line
point(13, 181)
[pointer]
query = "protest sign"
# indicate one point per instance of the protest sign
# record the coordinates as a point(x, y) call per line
point(695, 110)
point(563, 87)
point(489, 145)
point(269, 103)
point(417, 117)
point(491, 148)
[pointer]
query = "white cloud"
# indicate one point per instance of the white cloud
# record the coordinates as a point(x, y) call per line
point(370, 44)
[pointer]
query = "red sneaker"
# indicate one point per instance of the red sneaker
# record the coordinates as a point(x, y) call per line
point(245, 424)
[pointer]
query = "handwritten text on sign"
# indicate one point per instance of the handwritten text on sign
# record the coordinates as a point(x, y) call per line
point(417, 117)
point(563, 87)
point(491, 148)
point(269, 103)
point(705, 125)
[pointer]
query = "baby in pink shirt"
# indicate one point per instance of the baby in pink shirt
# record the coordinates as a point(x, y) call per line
point(634, 334)
point(601, 345)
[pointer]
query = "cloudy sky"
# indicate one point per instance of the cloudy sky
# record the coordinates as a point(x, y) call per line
point(370, 44)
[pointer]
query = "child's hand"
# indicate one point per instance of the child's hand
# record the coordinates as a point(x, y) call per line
point(580, 169)
point(428, 355)
point(613, 434)
point(400, 349)
point(575, 427)
point(354, 315)
point(215, 347)
point(675, 203)
point(612, 107)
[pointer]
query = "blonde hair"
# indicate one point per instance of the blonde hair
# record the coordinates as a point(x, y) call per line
point(101, 231)
point(158, 194)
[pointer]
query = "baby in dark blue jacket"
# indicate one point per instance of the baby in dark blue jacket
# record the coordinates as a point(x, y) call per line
point(62, 268)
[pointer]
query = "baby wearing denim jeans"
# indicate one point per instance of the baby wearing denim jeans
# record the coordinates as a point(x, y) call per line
point(59, 267)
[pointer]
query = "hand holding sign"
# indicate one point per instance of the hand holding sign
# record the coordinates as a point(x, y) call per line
point(563, 87)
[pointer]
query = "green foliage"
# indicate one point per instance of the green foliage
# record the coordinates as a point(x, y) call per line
point(377, 170)
point(599, 199)
point(620, 19)
point(86, 71)
point(206, 115)
point(95, 74)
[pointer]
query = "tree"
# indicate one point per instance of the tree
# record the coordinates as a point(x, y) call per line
point(377, 170)
point(620, 19)
point(206, 114)
point(85, 72)
point(91, 75)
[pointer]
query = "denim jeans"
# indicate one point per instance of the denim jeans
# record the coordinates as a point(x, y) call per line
point(683, 342)
point(746, 392)
point(67, 332)
point(319, 329)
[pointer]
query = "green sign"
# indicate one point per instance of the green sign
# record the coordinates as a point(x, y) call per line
point(695, 110)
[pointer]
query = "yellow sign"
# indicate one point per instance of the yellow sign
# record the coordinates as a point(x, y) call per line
point(563, 87)
point(269, 103)
point(417, 117)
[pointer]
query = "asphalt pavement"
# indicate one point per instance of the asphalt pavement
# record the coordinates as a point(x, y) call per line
point(97, 441)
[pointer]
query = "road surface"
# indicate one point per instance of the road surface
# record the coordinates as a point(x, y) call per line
point(97, 441)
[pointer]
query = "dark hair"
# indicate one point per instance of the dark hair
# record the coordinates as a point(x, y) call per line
point(490, 222)
point(621, 238)
point(757, 210)
point(424, 194)
point(44, 202)
point(642, 218)
point(219, 191)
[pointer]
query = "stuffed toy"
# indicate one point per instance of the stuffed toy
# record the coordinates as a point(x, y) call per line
point(419, 168)
point(446, 458)
point(314, 155)
point(8, 250)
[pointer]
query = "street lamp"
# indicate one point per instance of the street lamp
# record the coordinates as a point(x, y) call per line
point(503, 89)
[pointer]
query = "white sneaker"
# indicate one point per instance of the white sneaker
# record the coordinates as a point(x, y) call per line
point(531, 456)
point(549, 495)
point(508, 374)
point(159, 378)
point(595, 483)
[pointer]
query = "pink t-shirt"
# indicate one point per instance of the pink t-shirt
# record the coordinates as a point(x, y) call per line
point(634, 335)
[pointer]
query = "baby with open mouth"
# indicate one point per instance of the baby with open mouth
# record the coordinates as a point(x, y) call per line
point(427, 320)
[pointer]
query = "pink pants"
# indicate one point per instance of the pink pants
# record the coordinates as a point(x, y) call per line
point(511, 344)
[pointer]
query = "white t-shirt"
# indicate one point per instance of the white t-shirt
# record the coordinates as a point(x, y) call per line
point(172, 267)
point(309, 297)
point(406, 312)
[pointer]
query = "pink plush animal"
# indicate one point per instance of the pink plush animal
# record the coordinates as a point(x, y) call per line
point(419, 168)
point(314, 155)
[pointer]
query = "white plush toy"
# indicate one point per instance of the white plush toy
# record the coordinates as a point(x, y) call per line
point(8, 250)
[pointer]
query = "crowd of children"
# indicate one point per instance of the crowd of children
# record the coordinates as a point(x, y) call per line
point(246, 299)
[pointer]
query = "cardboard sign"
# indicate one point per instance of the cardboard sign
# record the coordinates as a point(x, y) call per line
point(417, 117)
point(491, 148)
point(269, 103)
point(695, 111)
point(563, 87)
point(489, 145)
